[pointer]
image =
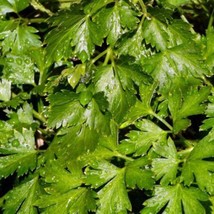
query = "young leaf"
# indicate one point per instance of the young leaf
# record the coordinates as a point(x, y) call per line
point(25, 114)
point(176, 199)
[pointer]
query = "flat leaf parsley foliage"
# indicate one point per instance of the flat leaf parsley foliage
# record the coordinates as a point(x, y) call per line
point(106, 106)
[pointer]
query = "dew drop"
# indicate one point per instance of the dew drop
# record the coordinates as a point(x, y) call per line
point(27, 61)
point(19, 61)
point(10, 59)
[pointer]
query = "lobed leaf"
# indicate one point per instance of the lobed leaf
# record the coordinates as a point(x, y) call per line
point(113, 196)
point(19, 162)
point(21, 198)
point(16, 6)
point(176, 199)
point(199, 166)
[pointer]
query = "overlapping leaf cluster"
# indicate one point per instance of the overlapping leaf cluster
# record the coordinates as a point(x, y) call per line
point(106, 107)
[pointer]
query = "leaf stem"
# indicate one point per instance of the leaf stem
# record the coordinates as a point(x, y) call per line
point(35, 20)
point(108, 56)
point(162, 120)
point(210, 24)
point(186, 152)
point(39, 116)
point(99, 56)
point(117, 154)
point(38, 6)
point(143, 6)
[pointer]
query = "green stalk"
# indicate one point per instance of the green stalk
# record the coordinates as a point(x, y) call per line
point(108, 56)
point(143, 6)
point(117, 154)
point(162, 120)
point(210, 24)
point(99, 56)
point(39, 116)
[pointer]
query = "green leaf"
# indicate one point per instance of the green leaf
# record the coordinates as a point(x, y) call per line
point(134, 45)
point(166, 65)
point(185, 98)
point(72, 110)
point(75, 74)
point(100, 172)
point(139, 142)
point(91, 115)
point(209, 122)
point(209, 51)
point(24, 136)
point(8, 6)
point(199, 166)
point(19, 69)
point(59, 39)
point(78, 32)
point(128, 16)
point(79, 200)
point(155, 33)
point(114, 85)
point(58, 179)
point(95, 119)
point(113, 197)
point(85, 37)
point(166, 166)
point(141, 108)
point(6, 27)
point(25, 114)
point(175, 3)
point(137, 174)
point(19, 162)
point(96, 5)
point(5, 90)
point(84, 141)
point(180, 32)
point(109, 21)
point(175, 199)
point(21, 198)
point(20, 39)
